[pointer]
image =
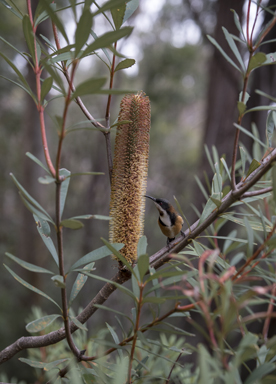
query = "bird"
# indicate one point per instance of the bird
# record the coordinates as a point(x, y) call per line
point(170, 222)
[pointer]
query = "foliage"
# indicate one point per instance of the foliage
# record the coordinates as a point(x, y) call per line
point(226, 287)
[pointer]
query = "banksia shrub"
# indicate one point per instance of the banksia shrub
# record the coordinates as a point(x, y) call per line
point(129, 177)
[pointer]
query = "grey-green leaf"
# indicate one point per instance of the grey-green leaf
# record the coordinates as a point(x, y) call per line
point(40, 324)
point(72, 224)
point(29, 266)
point(28, 34)
point(256, 61)
point(29, 286)
point(83, 30)
point(46, 87)
point(64, 188)
point(95, 255)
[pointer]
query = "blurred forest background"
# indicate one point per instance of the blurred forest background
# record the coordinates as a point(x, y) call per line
point(193, 93)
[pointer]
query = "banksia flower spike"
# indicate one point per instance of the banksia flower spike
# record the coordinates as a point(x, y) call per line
point(129, 177)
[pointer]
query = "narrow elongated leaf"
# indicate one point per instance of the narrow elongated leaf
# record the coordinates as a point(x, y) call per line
point(238, 24)
point(64, 188)
point(253, 166)
point(72, 224)
point(37, 161)
point(114, 311)
point(131, 7)
point(28, 34)
point(50, 9)
point(143, 265)
point(106, 40)
point(208, 209)
point(16, 70)
point(270, 125)
point(40, 324)
point(46, 239)
point(29, 286)
point(105, 51)
point(274, 182)
point(22, 87)
point(213, 41)
point(250, 134)
point(89, 87)
point(259, 373)
point(142, 246)
point(77, 286)
point(95, 255)
point(46, 87)
point(30, 198)
point(127, 63)
point(109, 5)
point(29, 266)
point(118, 14)
point(233, 47)
point(46, 179)
point(118, 255)
point(32, 363)
point(78, 323)
point(11, 9)
point(33, 210)
point(83, 30)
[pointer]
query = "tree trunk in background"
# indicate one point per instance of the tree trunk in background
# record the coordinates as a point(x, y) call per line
point(223, 89)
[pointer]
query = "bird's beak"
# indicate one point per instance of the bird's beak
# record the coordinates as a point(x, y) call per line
point(152, 198)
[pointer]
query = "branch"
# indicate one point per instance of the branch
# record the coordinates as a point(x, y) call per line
point(156, 260)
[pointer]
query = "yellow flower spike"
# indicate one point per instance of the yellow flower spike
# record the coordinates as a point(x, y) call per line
point(129, 177)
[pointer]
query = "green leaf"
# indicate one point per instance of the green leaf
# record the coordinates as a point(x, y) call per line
point(44, 233)
point(270, 126)
point(154, 300)
point(83, 30)
point(118, 14)
point(29, 266)
point(250, 237)
point(58, 281)
point(274, 181)
point(253, 166)
point(241, 108)
point(127, 63)
point(29, 35)
point(106, 40)
point(54, 364)
point(213, 41)
point(237, 22)
point(89, 87)
point(78, 323)
point(28, 197)
point(46, 179)
point(37, 161)
point(40, 324)
point(19, 74)
point(64, 188)
point(118, 255)
point(95, 255)
point(259, 373)
point(114, 311)
point(234, 48)
point(142, 246)
point(77, 286)
point(32, 363)
point(256, 61)
point(143, 265)
point(33, 210)
point(109, 5)
point(72, 224)
point(131, 7)
point(29, 286)
point(243, 159)
point(21, 86)
point(46, 87)
point(50, 9)
point(11, 9)
point(208, 209)
point(250, 134)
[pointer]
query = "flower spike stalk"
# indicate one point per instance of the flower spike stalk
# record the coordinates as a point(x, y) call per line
point(129, 177)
